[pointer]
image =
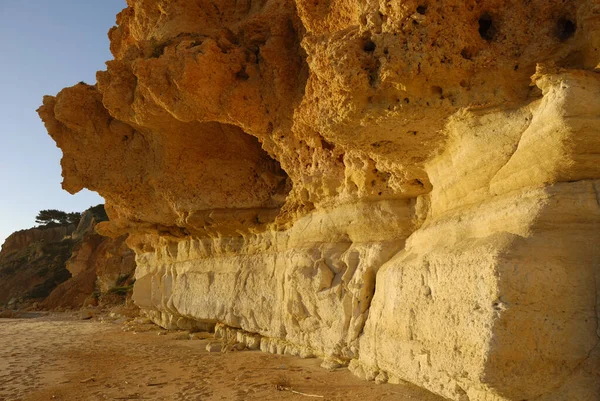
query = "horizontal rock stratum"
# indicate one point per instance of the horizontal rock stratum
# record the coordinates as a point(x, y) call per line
point(407, 187)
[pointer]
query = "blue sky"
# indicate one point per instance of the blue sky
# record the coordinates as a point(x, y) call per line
point(45, 45)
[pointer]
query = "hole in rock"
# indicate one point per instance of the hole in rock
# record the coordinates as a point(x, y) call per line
point(369, 46)
point(242, 74)
point(487, 30)
point(327, 145)
point(158, 51)
point(565, 28)
point(422, 9)
point(437, 90)
point(418, 182)
point(380, 144)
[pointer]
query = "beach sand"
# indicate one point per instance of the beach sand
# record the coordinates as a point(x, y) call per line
point(59, 357)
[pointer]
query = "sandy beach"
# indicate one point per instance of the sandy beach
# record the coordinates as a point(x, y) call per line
point(59, 357)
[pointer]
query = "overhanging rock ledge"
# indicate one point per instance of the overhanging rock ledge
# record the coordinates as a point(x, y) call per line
point(407, 187)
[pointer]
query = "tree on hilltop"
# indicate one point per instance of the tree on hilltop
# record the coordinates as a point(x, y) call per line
point(53, 217)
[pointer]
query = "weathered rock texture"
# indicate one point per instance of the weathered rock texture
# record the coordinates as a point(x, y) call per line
point(410, 188)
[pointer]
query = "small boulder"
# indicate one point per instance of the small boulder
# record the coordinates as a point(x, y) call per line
point(214, 347)
point(86, 314)
point(381, 378)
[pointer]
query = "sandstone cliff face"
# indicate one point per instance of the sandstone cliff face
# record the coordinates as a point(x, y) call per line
point(22, 239)
point(410, 188)
point(97, 265)
point(63, 266)
point(32, 263)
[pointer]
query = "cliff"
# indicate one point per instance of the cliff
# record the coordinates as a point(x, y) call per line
point(64, 266)
point(408, 188)
point(32, 263)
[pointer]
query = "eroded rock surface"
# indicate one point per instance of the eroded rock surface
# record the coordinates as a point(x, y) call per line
point(410, 188)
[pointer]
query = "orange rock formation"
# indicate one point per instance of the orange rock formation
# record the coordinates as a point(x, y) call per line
point(407, 187)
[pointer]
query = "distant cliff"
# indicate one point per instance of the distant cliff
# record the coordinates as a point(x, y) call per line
point(32, 263)
point(63, 266)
